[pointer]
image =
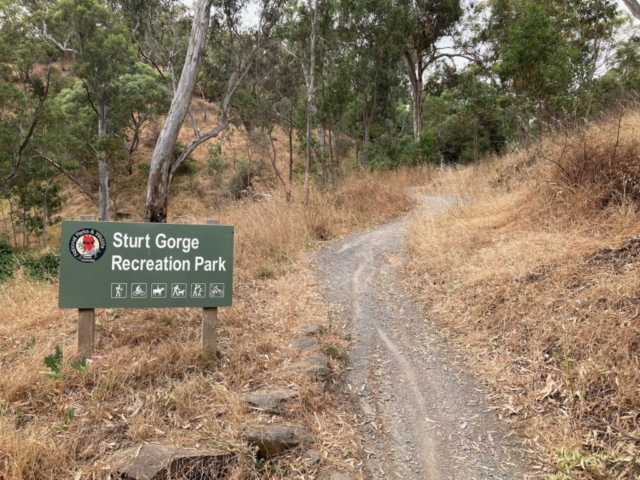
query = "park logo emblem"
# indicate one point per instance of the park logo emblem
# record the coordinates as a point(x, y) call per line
point(87, 245)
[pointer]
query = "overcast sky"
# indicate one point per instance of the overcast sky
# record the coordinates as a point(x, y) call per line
point(250, 15)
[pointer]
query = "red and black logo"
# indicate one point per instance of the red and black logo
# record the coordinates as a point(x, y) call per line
point(87, 245)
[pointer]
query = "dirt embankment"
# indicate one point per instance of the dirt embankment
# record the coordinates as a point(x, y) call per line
point(537, 280)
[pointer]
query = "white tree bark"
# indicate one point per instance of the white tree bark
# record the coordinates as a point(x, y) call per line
point(310, 95)
point(634, 7)
point(159, 175)
point(103, 174)
point(415, 72)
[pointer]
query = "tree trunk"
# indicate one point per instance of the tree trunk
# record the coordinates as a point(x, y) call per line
point(336, 160)
point(291, 155)
point(634, 7)
point(331, 159)
point(310, 93)
point(415, 71)
point(367, 130)
point(44, 205)
point(103, 174)
point(159, 179)
point(325, 173)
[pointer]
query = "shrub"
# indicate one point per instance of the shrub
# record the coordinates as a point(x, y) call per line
point(606, 171)
point(7, 260)
point(241, 180)
point(188, 167)
point(43, 268)
point(215, 163)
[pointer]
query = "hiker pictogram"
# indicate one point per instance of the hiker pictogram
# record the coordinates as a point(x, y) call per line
point(118, 290)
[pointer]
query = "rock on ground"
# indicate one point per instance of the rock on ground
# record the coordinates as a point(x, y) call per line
point(161, 462)
point(270, 401)
point(304, 343)
point(316, 367)
point(274, 439)
point(315, 329)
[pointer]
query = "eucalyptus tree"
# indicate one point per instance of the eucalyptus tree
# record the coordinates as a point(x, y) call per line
point(554, 82)
point(374, 32)
point(97, 38)
point(27, 81)
point(425, 23)
point(299, 37)
point(163, 168)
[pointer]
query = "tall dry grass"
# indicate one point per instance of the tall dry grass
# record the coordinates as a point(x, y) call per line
point(537, 278)
point(148, 381)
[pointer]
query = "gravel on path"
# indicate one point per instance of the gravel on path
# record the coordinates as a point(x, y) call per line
point(423, 416)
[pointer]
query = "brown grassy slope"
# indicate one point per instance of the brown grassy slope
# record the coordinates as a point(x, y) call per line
point(537, 278)
point(148, 381)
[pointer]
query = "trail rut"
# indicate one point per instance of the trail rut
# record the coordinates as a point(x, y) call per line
point(424, 418)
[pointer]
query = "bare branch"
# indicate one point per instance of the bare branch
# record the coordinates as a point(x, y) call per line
point(86, 87)
point(61, 46)
point(17, 159)
point(194, 124)
point(66, 173)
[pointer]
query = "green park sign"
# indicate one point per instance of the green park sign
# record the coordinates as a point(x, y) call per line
point(145, 265)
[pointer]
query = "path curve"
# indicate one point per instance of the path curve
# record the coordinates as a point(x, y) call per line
point(424, 418)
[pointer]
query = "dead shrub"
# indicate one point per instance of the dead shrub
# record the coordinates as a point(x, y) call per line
point(603, 170)
point(537, 280)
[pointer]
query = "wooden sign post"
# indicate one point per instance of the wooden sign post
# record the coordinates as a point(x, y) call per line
point(86, 320)
point(145, 265)
point(210, 320)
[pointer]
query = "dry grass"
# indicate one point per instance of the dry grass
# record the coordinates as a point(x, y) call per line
point(149, 382)
point(537, 278)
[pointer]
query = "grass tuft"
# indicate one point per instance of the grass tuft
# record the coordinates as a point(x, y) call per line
point(537, 279)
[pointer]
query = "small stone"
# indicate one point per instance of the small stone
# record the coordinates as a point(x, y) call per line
point(274, 439)
point(159, 462)
point(315, 329)
point(339, 476)
point(304, 343)
point(317, 367)
point(269, 401)
point(311, 458)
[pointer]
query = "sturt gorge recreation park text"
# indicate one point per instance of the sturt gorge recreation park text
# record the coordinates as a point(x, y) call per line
point(167, 263)
point(145, 265)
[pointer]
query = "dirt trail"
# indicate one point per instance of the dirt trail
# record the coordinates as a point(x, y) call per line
point(423, 416)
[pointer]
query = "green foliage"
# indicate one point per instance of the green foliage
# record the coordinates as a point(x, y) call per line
point(143, 169)
point(80, 365)
point(570, 459)
point(54, 363)
point(188, 166)
point(242, 178)
point(43, 268)
point(215, 163)
point(7, 259)
point(549, 54)
point(71, 414)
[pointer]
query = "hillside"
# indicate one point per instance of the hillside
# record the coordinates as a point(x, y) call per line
point(536, 279)
point(149, 382)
